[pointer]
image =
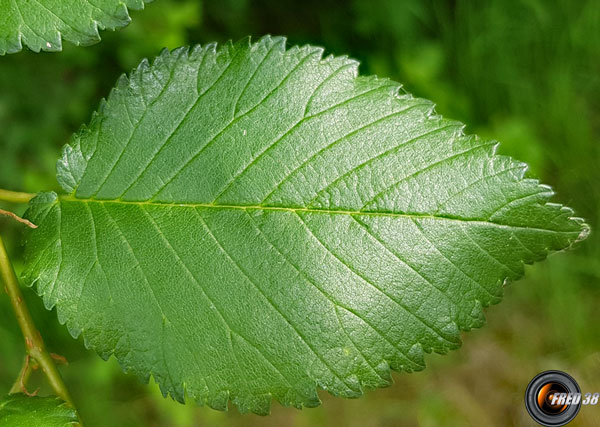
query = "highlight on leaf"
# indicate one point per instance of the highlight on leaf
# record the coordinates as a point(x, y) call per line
point(249, 222)
point(43, 24)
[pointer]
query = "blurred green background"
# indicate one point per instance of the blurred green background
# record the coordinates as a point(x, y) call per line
point(526, 73)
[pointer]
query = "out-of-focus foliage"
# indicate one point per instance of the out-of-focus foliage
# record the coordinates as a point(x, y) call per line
point(524, 72)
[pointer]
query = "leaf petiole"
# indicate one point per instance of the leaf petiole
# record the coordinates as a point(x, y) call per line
point(15, 196)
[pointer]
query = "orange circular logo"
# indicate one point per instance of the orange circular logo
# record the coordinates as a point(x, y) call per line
point(553, 398)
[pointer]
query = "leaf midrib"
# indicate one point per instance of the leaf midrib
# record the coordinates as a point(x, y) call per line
point(409, 215)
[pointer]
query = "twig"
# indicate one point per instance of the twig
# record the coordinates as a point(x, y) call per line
point(20, 384)
point(18, 218)
point(33, 340)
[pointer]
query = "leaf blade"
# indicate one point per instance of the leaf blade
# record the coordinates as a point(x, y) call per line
point(18, 410)
point(280, 224)
point(43, 24)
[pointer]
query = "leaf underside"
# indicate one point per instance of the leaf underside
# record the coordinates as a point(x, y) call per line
point(18, 410)
point(42, 24)
point(250, 222)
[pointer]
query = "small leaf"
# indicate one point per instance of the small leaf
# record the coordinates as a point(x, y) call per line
point(41, 24)
point(18, 410)
point(252, 222)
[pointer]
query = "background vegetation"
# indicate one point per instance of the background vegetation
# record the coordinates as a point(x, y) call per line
point(526, 73)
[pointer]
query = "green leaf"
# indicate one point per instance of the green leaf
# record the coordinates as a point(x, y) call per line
point(18, 410)
point(252, 222)
point(41, 24)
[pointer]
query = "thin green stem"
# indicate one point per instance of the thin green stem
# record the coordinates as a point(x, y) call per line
point(15, 196)
point(34, 344)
